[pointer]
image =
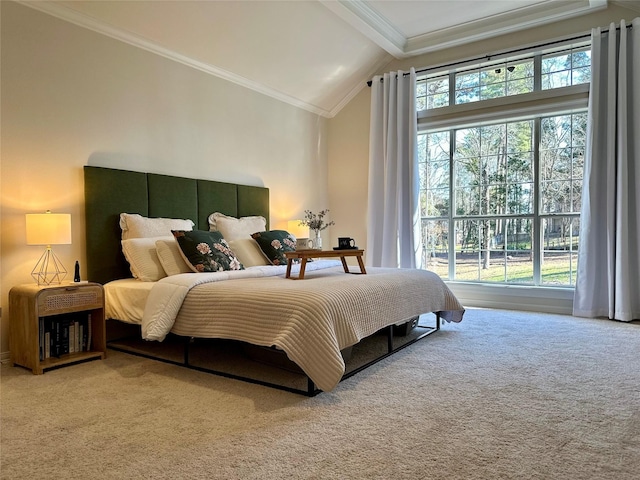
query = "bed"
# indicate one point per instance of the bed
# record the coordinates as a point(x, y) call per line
point(312, 321)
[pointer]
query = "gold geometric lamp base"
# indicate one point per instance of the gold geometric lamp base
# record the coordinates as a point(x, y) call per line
point(49, 269)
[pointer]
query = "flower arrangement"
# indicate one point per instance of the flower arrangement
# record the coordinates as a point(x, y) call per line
point(316, 221)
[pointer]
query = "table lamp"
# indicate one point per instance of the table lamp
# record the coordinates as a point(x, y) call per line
point(48, 229)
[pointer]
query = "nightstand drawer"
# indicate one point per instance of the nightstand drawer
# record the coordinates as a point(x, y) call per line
point(66, 299)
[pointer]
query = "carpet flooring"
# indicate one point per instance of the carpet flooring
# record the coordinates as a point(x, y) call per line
point(501, 395)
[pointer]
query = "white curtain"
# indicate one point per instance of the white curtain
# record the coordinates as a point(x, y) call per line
point(393, 220)
point(608, 281)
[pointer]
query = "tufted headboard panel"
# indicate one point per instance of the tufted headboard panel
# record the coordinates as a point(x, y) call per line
point(110, 192)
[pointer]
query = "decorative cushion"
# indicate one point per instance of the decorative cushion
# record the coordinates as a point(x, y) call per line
point(137, 226)
point(233, 228)
point(248, 252)
point(143, 259)
point(206, 251)
point(171, 258)
point(274, 244)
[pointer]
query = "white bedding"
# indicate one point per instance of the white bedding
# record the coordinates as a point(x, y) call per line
point(311, 319)
point(125, 299)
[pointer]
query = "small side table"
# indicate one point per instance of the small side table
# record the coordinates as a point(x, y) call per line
point(72, 312)
point(305, 255)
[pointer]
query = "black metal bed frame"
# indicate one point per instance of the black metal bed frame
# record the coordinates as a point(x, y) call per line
point(311, 390)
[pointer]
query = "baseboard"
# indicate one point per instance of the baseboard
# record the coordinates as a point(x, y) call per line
point(512, 297)
point(4, 357)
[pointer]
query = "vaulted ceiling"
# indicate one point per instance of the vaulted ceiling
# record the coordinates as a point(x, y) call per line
point(314, 54)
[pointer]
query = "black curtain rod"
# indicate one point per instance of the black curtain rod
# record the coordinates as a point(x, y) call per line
point(509, 52)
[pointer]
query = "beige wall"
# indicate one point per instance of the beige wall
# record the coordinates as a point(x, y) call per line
point(348, 149)
point(71, 97)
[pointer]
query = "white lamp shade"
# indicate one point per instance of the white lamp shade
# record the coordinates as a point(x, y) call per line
point(48, 228)
point(297, 230)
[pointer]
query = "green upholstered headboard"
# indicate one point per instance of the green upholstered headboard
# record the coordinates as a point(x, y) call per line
point(110, 192)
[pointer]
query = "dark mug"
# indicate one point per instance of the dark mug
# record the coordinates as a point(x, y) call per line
point(346, 242)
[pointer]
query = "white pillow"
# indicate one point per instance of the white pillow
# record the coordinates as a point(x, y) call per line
point(248, 252)
point(143, 259)
point(171, 257)
point(137, 226)
point(233, 228)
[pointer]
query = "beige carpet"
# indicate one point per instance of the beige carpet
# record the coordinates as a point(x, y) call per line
point(500, 395)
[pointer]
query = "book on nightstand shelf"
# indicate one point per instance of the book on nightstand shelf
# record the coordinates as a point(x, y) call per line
point(64, 334)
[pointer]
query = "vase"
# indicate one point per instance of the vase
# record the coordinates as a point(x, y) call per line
point(317, 240)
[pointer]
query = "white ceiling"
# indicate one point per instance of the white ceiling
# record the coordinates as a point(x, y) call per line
point(314, 54)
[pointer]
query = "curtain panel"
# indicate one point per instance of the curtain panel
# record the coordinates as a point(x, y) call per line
point(393, 219)
point(608, 280)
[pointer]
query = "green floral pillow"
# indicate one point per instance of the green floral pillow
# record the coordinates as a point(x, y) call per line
point(206, 251)
point(274, 244)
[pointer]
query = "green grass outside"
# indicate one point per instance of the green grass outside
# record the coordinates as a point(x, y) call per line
point(557, 270)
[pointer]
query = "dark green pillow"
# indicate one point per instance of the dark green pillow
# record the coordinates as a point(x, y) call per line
point(274, 244)
point(206, 251)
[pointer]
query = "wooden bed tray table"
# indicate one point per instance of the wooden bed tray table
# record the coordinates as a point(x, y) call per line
point(305, 255)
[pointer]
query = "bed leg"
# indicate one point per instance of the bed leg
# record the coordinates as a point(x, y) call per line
point(390, 339)
point(187, 342)
point(311, 388)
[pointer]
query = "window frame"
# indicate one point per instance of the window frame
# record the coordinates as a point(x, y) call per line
point(536, 54)
point(534, 105)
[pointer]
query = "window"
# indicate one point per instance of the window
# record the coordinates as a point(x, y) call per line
point(498, 80)
point(557, 69)
point(432, 93)
point(500, 197)
point(571, 67)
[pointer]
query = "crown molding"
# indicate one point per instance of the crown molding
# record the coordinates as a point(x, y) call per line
point(360, 85)
point(90, 23)
point(523, 18)
point(359, 15)
point(379, 30)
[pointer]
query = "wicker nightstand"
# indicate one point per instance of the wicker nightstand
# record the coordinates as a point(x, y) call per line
point(56, 325)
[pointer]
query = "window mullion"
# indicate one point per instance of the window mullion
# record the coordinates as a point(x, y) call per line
point(537, 73)
point(452, 88)
point(452, 206)
point(537, 221)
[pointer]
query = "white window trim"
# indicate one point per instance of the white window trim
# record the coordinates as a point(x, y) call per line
point(538, 103)
point(547, 299)
point(558, 101)
point(557, 300)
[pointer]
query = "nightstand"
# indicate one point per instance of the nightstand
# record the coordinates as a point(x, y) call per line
point(56, 325)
